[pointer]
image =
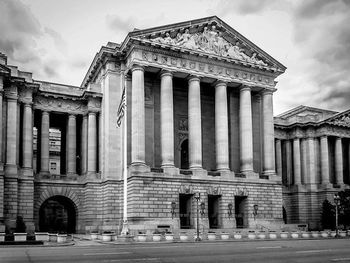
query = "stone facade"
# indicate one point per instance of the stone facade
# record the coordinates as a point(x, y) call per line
point(199, 120)
point(312, 156)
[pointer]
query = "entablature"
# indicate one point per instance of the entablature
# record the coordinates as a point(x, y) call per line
point(200, 66)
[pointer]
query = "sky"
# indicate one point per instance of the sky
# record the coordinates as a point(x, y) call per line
point(57, 40)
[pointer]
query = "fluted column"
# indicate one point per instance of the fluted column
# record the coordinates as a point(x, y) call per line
point(278, 149)
point(11, 134)
point(339, 161)
point(84, 144)
point(72, 145)
point(27, 136)
point(1, 126)
point(268, 133)
point(194, 123)
point(246, 130)
point(296, 161)
point(92, 143)
point(45, 147)
point(167, 119)
point(138, 116)
point(324, 160)
point(221, 127)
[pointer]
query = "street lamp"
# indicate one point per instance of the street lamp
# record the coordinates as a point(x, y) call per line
point(173, 207)
point(337, 202)
point(197, 196)
point(255, 214)
point(230, 207)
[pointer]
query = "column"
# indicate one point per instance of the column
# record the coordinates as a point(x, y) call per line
point(338, 161)
point(221, 127)
point(92, 143)
point(45, 147)
point(268, 133)
point(194, 123)
point(296, 161)
point(11, 134)
point(324, 160)
point(1, 126)
point(84, 143)
point(27, 154)
point(311, 160)
point(71, 145)
point(246, 130)
point(167, 119)
point(289, 160)
point(278, 150)
point(138, 116)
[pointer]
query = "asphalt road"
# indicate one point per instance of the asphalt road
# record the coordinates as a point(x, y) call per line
point(253, 251)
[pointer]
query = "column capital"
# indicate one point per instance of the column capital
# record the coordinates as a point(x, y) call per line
point(165, 72)
point(245, 87)
point(91, 113)
point(219, 83)
point(268, 91)
point(45, 112)
point(137, 67)
point(27, 104)
point(193, 78)
point(72, 115)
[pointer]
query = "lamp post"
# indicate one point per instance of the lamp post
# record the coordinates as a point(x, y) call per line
point(173, 207)
point(255, 213)
point(197, 196)
point(337, 202)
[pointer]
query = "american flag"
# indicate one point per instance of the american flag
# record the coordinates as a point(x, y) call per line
point(121, 109)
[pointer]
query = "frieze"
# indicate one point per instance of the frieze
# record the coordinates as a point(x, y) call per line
point(149, 58)
point(210, 41)
point(59, 105)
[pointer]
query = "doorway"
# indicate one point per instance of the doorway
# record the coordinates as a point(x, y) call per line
point(185, 211)
point(184, 155)
point(213, 211)
point(240, 211)
point(57, 214)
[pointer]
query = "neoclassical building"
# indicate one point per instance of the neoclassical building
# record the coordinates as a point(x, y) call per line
point(313, 159)
point(199, 121)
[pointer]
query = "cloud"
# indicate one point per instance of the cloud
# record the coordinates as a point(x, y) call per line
point(322, 34)
point(120, 25)
point(26, 43)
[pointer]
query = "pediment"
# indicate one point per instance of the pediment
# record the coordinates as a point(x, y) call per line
point(209, 37)
point(341, 119)
point(304, 114)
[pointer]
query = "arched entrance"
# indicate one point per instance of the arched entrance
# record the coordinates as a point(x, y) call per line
point(57, 214)
point(184, 155)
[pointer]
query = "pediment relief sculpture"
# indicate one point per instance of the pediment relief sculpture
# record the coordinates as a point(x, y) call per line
point(209, 41)
point(342, 121)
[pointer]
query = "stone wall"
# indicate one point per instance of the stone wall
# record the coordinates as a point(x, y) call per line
point(150, 197)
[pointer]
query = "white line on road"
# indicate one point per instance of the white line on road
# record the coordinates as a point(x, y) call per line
point(268, 247)
point(132, 259)
point(106, 253)
point(340, 259)
point(313, 251)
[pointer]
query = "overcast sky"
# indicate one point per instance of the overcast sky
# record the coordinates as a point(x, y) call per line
point(57, 40)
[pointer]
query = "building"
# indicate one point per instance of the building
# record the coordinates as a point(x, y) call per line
point(200, 121)
point(313, 158)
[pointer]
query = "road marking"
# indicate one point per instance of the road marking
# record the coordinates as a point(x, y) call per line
point(313, 251)
point(268, 247)
point(106, 253)
point(340, 259)
point(132, 259)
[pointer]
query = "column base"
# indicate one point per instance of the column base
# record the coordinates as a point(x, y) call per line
point(327, 186)
point(72, 176)
point(250, 174)
point(91, 175)
point(27, 172)
point(199, 172)
point(172, 170)
point(226, 173)
point(139, 168)
point(2, 228)
point(44, 174)
point(11, 169)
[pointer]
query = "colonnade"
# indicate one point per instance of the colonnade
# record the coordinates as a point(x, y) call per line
point(195, 124)
point(305, 156)
point(14, 152)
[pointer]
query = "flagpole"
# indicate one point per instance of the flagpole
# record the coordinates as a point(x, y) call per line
point(125, 229)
